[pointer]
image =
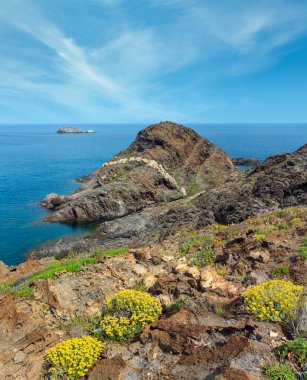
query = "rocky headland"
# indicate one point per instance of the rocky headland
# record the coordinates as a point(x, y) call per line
point(176, 219)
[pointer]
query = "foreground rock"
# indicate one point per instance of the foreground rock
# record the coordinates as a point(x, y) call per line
point(210, 336)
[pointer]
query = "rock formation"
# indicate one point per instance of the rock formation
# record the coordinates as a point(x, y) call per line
point(171, 179)
point(245, 161)
point(209, 336)
point(163, 164)
point(73, 130)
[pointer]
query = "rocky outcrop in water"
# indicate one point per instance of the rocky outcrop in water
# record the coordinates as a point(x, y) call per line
point(163, 164)
point(171, 179)
point(73, 130)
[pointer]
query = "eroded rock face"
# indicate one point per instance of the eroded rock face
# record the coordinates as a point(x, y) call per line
point(279, 182)
point(25, 334)
point(158, 167)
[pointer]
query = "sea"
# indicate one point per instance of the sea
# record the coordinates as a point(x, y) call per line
point(35, 161)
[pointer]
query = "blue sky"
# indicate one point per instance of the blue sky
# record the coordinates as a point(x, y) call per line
point(83, 61)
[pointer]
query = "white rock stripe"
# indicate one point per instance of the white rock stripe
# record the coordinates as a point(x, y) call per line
point(153, 164)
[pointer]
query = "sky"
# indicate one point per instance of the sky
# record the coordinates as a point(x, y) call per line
point(128, 61)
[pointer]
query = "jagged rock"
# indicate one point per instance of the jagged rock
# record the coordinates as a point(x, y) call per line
point(62, 247)
point(25, 334)
point(164, 155)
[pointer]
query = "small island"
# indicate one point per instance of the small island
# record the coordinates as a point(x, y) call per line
point(73, 130)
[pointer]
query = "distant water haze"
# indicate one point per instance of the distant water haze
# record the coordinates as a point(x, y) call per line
point(35, 161)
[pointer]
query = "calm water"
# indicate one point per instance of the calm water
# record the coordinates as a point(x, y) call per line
point(35, 161)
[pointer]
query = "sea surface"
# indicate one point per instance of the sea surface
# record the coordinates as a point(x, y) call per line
point(35, 161)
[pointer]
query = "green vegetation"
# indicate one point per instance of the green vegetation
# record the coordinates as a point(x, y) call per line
point(295, 351)
point(79, 326)
point(259, 237)
point(280, 371)
point(221, 269)
point(73, 263)
point(103, 252)
point(203, 257)
point(279, 272)
point(282, 226)
point(23, 291)
point(295, 220)
point(198, 249)
point(192, 188)
point(219, 311)
point(303, 249)
point(139, 286)
point(177, 304)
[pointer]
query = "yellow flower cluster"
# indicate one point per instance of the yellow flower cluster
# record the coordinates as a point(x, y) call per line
point(72, 358)
point(129, 312)
point(273, 300)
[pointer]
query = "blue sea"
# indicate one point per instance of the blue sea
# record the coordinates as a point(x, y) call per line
point(35, 161)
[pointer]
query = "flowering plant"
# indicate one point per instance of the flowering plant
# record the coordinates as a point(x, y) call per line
point(72, 358)
point(273, 300)
point(127, 313)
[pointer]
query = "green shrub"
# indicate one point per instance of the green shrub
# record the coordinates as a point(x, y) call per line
point(280, 371)
point(127, 313)
point(273, 300)
point(279, 272)
point(282, 225)
point(177, 304)
point(221, 269)
point(50, 271)
point(295, 350)
point(303, 249)
point(295, 220)
point(198, 250)
point(259, 237)
point(6, 288)
point(203, 257)
point(22, 291)
point(219, 311)
point(104, 252)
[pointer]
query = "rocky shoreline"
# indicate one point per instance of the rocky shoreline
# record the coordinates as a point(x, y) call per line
point(177, 219)
point(172, 179)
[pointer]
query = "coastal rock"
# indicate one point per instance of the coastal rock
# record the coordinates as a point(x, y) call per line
point(69, 130)
point(170, 179)
point(163, 164)
point(60, 248)
point(245, 161)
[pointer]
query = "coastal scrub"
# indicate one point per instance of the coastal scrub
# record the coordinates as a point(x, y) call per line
point(127, 313)
point(72, 358)
point(272, 301)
